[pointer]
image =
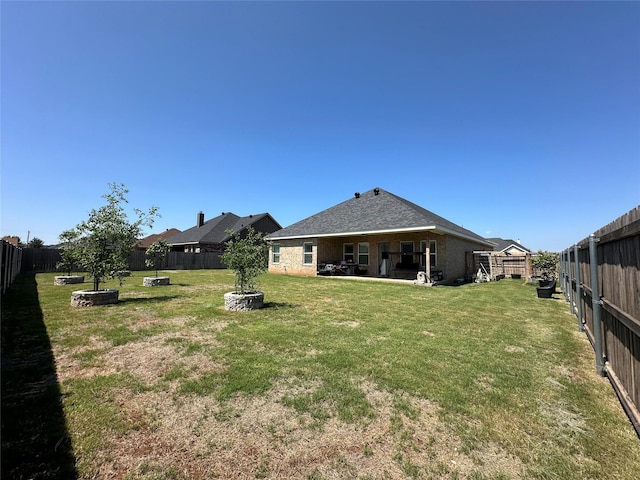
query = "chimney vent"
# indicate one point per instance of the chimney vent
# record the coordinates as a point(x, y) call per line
point(200, 219)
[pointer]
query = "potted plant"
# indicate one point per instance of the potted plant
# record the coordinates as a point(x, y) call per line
point(69, 254)
point(247, 257)
point(104, 242)
point(546, 263)
point(155, 254)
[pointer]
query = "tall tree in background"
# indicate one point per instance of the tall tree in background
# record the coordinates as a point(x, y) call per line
point(35, 243)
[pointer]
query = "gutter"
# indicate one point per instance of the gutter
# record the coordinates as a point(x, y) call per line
point(433, 228)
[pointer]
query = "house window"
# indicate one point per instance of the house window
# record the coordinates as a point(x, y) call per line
point(432, 253)
point(275, 253)
point(363, 254)
point(308, 253)
point(347, 252)
point(406, 249)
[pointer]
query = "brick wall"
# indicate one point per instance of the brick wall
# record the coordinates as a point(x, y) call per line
point(450, 252)
point(292, 258)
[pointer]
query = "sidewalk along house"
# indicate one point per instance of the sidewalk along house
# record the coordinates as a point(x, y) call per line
point(211, 236)
point(375, 233)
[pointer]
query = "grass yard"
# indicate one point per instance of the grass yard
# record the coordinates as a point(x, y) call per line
point(334, 379)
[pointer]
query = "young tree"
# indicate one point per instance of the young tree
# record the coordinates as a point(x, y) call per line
point(546, 262)
point(69, 245)
point(156, 253)
point(247, 257)
point(107, 237)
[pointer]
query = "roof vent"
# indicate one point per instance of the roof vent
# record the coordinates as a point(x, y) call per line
point(376, 191)
point(357, 194)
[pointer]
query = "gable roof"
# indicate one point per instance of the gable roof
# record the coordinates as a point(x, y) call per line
point(502, 244)
point(375, 211)
point(214, 231)
point(147, 241)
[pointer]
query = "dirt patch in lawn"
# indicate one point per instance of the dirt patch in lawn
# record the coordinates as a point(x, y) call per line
point(197, 437)
point(148, 360)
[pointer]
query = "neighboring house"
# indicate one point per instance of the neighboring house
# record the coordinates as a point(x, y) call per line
point(507, 258)
point(15, 241)
point(211, 236)
point(146, 242)
point(375, 233)
point(508, 247)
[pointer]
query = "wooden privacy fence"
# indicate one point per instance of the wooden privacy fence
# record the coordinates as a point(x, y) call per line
point(179, 261)
point(600, 277)
point(44, 260)
point(497, 264)
point(11, 261)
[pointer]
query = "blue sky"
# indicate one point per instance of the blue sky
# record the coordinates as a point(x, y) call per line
point(513, 119)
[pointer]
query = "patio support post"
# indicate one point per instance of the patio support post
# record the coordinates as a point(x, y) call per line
point(427, 261)
point(578, 288)
point(596, 303)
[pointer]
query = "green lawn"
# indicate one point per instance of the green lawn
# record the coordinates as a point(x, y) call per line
point(334, 378)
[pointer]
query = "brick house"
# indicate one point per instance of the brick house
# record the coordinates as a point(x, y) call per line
point(508, 246)
point(211, 236)
point(146, 242)
point(375, 233)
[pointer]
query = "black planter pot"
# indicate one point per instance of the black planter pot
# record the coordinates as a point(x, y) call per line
point(547, 290)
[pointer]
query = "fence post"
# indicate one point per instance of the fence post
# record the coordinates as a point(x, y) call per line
point(565, 274)
point(572, 305)
point(595, 302)
point(578, 288)
point(563, 285)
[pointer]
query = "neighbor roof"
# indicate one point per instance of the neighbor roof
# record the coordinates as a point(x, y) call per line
point(504, 244)
point(371, 212)
point(147, 241)
point(215, 230)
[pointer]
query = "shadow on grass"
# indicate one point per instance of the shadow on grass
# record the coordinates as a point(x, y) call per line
point(278, 305)
point(35, 440)
point(143, 300)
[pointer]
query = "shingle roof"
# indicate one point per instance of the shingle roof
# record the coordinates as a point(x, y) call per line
point(214, 231)
point(503, 244)
point(147, 241)
point(372, 213)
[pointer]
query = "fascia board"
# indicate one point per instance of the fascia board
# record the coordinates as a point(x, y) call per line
point(433, 228)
